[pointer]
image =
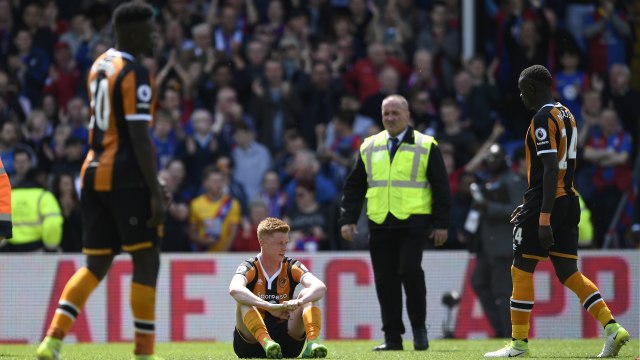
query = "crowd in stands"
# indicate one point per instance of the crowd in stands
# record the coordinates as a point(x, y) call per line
point(262, 104)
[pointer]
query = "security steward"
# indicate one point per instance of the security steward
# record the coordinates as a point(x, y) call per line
point(37, 218)
point(401, 173)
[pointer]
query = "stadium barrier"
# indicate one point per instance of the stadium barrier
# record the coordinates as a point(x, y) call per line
point(193, 303)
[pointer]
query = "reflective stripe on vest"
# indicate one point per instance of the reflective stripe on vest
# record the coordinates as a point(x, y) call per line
point(413, 193)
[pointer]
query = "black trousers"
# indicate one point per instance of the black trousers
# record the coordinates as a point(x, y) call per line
point(491, 280)
point(396, 256)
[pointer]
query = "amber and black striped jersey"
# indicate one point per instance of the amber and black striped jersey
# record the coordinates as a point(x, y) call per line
point(120, 90)
point(275, 288)
point(552, 130)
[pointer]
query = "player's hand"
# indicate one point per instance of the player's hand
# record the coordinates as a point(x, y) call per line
point(279, 311)
point(158, 210)
point(515, 213)
point(439, 236)
point(292, 304)
point(348, 230)
point(545, 235)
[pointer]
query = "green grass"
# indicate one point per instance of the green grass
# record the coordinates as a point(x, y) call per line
point(439, 349)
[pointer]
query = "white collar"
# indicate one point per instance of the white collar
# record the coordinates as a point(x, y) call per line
point(123, 54)
point(548, 104)
point(400, 136)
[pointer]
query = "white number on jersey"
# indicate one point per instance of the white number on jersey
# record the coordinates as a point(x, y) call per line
point(100, 104)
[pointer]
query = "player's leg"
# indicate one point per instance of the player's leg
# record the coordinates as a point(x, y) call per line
point(306, 322)
point(146, 264)
point(384, 250)
point(130, 209)
point(75, 294)
point(565, 262)
point(412, 277)
point(527, 252)
point(251, 326)
point(99, 241)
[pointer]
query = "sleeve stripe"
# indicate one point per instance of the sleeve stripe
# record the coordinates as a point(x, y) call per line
point(547, 151)
point(138, 117)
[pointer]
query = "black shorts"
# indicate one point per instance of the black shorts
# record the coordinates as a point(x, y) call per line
point(565, 217)
point(116, 220)
point(279, 332)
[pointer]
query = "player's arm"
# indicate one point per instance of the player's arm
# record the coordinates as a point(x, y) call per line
point(546, 140)
point(240, 293)
point(315, 288)
point(137, 102)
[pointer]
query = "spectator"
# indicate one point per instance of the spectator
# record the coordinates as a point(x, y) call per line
point(570, 82)
point(463, 140)
point(252, 161)
point(625, 101)
point(76, 116)
point(64, 77)
point(23, 161)
point(321, 100)
point(422, 76)
point(228, 37)
point(363, 77)
point(423, 112)
point(247, 239)
point(390, 28)
point(214, 216)
point(63, 188)
point(306, 167)
point(339, 155)
point(389, 81)
point(199, 149)
point(32, 21)
point(441, 39)
point(246, 73)
point(275, 106)
point(164, 138)
point(36, 132)
point(229, 115)
point(231, 186)
point(308, 220)
point(271, 194)
point(609, 151)
point(9, 138)
point(361, 123)
point(30, 66)
point(176, 225)
point(73, 158)
point(75, 33)
point(607, 32)
point(483, 97)
point(10, 107)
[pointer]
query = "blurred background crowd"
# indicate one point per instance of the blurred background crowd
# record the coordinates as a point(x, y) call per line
point(262, 106)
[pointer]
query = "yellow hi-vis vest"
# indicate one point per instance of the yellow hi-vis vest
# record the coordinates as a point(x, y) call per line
point(400, 187)
point(36, 217)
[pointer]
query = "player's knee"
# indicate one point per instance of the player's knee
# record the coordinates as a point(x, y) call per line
point(146, 265)
point(99, 265)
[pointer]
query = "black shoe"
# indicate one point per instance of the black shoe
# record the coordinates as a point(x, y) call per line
point(389, 346)
point(420, 340)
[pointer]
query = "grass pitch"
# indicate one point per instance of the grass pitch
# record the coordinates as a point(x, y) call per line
point(351, 350)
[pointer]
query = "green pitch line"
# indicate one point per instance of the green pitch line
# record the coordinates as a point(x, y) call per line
point(347, 350)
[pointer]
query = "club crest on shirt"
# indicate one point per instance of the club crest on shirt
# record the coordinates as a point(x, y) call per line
point(282, 282)
point(541, 134)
